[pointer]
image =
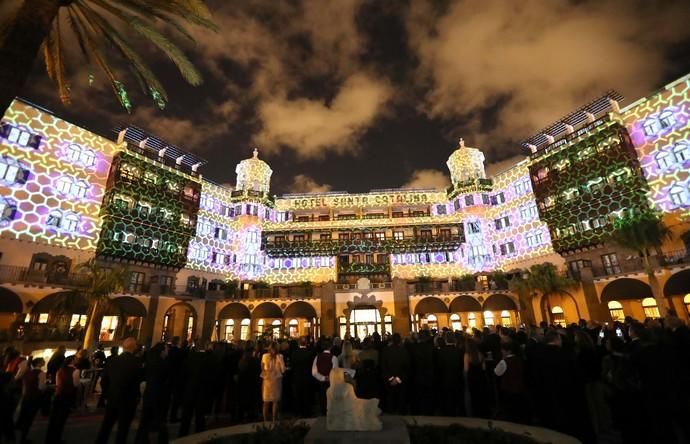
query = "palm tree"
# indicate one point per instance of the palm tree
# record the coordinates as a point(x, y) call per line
point(99, 284)
point(544, 279)
point(95, 25)
point(644, 232)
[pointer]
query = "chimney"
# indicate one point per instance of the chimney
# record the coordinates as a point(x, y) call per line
point(142, 144)
point(569, 129)
point(614, 105)
point(196, 166)
point(550, 138)
point(178, 161)
point(590, 117)
point(532, 148)
point(161, 152)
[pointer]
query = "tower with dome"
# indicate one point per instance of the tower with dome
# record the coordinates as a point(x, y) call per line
point(253, 174)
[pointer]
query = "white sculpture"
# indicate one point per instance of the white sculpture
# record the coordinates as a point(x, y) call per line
point(346, 412)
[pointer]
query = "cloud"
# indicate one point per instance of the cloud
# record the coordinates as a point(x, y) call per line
point(312, 127)
point(428, 179)
point(494, 168)
point(535, 61)
point(305, 184)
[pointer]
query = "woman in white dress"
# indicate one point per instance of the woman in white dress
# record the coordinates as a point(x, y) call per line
point(272, 369)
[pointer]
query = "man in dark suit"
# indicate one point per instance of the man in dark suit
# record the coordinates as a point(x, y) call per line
point(395, 365)
point(451, 384)
point(301, 362)
point(198, 375)
point(424, 374)
point(124, 374)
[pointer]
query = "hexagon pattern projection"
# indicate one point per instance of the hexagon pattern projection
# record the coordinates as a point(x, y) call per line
point(583, 185)
point(659, 127)
point(149, 212)
point(38, 207)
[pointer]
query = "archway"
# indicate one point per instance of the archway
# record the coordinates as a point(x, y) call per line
point(121, 319)
point(265, 316)
point(628, 293)
point(59, 316)
point(301, 317)
point(678, 284)
point(466, 309)
point(427, 312)
point(500, 308)
point(560, 309)
point(180, 320)
point(11, 318)
point(231, 317)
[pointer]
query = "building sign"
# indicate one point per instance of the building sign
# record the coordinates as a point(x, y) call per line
point(361, 200)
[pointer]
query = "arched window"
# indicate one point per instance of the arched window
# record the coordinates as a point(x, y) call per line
point(650, 126)
point(71, 222)
point(229, 329)
point(54, 218)
point(686, 301)
point(293, 329)
point(73, 152)
point(455, 323)
point(244, 329)
point(667, 119)
point(651, 310)
point(616, 310)
point(78, 188)
point(63, 185)
point(488, 318)
point(432, 322)
point(87, 157)
point(275, 328)
point(558, 316)
point(677, 194)
point(505, 319)
point(260, 326)
point(472, 320)
point(681, 151)
point(663, 159)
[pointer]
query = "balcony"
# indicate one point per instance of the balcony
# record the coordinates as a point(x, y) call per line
point(250, 194)
point(364, 268)
point(12, 274)
point(334, 247)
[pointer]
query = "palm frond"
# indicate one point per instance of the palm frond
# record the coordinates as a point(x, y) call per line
point(184, 65)
point(193, 11)
point(144, 75)
point(146, 10)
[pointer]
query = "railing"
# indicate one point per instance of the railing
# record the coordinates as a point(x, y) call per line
point(353, 286)
point(337, 246)
point(10, 273)
point(363, 268)
point(153, 155)
point(677, 257)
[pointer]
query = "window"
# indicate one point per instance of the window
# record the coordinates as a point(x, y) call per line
point(469, 200)
point(78, 189)
point(20, 137)
point(455, 323)
point(663, 160)
point(444, 233)
point(43, 318)
point(425, 234)
point(616, 310)
point(63, 185)
point(108, 327)
point(325, 236)
point(650, 126)
point(380, 235)
point(298, 238)
point(677, 195)
point(610, 262)
point(596, 185)
point(535, 238)
point(528, 212)
point(472, 320)
point(221, 233)
point(77, 319)
point(681, 151)
point(440, 209)
point(203, 227)
point(136, 282)
point(667, 119)
point(381, 258)
point(488, 318)
point(432, 322)
point(485, 199)
point(54, 219)
point(557, 316)
point(398, 235)
point(500, 198)
point(505, 319)
point(507, 248)
point(522, 186)
point(650, 308)
point(473, 227)
point(71, 222)
point(576, 266)
point(244, 329)
point(11, 171)
point(502, 222)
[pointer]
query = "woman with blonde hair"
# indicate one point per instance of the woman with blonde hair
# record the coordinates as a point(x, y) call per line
point(272, 369)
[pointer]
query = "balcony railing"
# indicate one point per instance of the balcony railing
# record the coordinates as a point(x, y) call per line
point(364, 268)
point(13, 274)
point(333, 247)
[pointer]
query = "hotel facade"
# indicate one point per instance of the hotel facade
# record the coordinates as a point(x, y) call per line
point(209, 262)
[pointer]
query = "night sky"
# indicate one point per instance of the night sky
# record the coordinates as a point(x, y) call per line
point(355, 95)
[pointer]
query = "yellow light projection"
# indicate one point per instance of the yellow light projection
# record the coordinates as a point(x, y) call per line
point(253, 174)
point(62, 170)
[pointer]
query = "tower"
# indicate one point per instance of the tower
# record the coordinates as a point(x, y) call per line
point(465, 164)
point(253, 174)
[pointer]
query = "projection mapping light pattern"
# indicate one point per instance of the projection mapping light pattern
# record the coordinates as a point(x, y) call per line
point(52, 179)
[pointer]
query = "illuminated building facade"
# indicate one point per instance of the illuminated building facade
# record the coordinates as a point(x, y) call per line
point(215, 262)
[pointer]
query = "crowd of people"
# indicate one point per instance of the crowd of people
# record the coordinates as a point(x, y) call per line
point(629, 379)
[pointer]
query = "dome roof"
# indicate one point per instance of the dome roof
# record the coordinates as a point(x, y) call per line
point(466, 163)
point(253, 174)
